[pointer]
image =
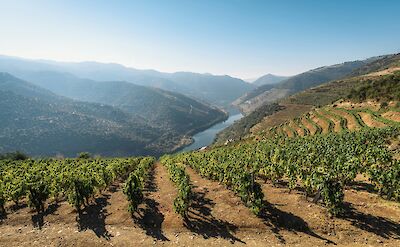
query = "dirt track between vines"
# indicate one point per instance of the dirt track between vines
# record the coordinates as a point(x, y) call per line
point(217, 218)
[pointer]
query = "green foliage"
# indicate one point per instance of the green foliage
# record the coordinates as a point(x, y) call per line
point(181, 179)
point(37, 187)
point(134, 184)
point(230, 171)
point(2, 200)
point(75, 179)
point(322, 164)
point(386, 177)
point(384, 88)
point(84, 155)
point(14, 156)
point(133, 191)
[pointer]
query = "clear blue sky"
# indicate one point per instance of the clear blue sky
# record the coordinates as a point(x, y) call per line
point(242, 38)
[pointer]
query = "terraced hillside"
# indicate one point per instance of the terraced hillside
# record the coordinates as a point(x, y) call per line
point(338, 117)
point(378, 86)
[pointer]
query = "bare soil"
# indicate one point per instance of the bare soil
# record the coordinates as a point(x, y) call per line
point(383, 72)
point(320, 122)
point(337, 127)
point(351, 121)
point(309, 126)
point(392, 115)
point(299, 131)
point(216, 217)
point(287, 131)
point(370, 121)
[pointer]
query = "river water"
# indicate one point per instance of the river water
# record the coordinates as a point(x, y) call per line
point(207, 136)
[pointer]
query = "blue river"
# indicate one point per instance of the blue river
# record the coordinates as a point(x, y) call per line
point(207, 136)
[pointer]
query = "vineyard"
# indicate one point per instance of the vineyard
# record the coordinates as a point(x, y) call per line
point(331, 176)
point(74, 180)
point(321, 165)
point(343, 116)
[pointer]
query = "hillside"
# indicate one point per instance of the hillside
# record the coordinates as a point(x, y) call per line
point(380, 76)
point(242, 126)
point(380, 85)
point(35, 119)
point(327, 177)
point(271, 93)
point(293, 106)
point(162, 109)
point(269, 79)
point(218, 90)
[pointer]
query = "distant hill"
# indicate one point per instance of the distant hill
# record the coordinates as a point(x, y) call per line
point(378, 77)
point(269, 79)
point(39, 122)
point(171, 111)
point(219, 90)
point(271, 93)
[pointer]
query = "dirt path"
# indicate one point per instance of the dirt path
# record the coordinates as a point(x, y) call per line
point(218, 213)
point(287, 131)
point(392, 115)
point(309, 126)
point(370, 121)
point(297, 128)
point(368, 221)
point(337, 128)
point(320, 122)
point(217, 217)
point(351, 121)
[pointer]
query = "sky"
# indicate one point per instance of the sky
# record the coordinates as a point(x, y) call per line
point(241, 38)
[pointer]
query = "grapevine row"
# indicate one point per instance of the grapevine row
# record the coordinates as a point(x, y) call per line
point(177, 174)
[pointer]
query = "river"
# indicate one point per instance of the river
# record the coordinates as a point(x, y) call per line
point(207, 136)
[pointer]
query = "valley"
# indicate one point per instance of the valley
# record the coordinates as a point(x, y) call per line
point(317, 167)
point(199, 123)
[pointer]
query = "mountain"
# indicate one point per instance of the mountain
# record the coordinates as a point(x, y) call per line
point(171, 111)
point(270, 93)
point(378, 78)
point(39, 122)
point(269, 79)
point(219, 90)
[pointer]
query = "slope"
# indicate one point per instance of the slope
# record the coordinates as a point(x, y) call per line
point(220, 90)
point(271, 93)
point(269, 79)
point(166, 110)
point(301, 102)
point(39, 122)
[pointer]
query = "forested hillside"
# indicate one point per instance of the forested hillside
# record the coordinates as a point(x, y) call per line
point(38, 122)
point(163, 109)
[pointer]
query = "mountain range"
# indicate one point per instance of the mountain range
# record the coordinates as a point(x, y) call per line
point(269, 93)
point(64, 108)
point(108, 118)
point(219, 90)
